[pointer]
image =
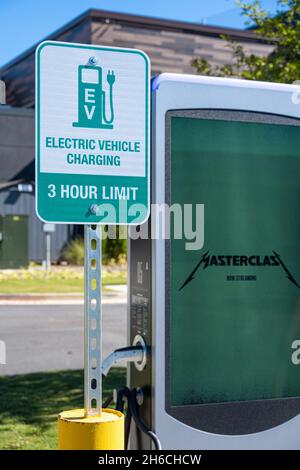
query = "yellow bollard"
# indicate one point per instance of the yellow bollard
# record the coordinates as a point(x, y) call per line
point(77, 432)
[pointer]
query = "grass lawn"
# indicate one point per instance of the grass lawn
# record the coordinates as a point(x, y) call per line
point(30, 404)
point(55, 285)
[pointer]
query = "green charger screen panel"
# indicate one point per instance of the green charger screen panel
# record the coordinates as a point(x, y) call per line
point(233, 308)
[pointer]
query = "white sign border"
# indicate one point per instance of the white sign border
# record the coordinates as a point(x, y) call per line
point(92, 47)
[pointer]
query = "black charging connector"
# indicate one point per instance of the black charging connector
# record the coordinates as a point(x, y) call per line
point(129, 396)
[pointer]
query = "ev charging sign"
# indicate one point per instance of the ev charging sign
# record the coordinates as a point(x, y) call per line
point(92, 134)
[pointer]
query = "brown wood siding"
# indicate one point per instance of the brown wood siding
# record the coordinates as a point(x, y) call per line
point(168, 49)
point(20, 77)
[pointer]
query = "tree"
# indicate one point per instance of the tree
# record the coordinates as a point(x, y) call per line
point(281, 30)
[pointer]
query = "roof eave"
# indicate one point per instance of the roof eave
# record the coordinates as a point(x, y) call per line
point(142, 21)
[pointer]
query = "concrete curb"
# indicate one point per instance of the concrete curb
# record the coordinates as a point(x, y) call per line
point(115, 297)
point(112, 300)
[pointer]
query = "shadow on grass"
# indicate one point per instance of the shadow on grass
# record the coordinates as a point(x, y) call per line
point(38, 398)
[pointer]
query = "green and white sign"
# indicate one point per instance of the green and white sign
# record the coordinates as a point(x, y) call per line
point(92, 134)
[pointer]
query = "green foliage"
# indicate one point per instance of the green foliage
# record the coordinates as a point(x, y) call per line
point(30, 404)
point(114, 248)
point(281, 30)
point(74, 252)
point(58, 280)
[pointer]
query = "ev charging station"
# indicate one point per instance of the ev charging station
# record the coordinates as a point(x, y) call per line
point(213, 327)
point(222, 323)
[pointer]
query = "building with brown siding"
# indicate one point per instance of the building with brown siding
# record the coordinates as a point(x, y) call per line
point(171, 45)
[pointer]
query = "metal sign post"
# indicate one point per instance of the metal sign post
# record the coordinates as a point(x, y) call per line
point(48, 229)
point(92, 168)
point(92, 321)
point(48, 251)
point(2, 92)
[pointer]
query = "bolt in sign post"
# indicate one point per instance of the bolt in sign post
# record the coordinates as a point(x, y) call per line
point(92, 134)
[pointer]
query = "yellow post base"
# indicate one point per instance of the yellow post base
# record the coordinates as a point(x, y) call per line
point(77, 432)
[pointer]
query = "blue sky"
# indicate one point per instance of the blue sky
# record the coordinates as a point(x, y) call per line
point(24, 23)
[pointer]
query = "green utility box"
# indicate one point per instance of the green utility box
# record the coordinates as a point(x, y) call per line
point(13, 241)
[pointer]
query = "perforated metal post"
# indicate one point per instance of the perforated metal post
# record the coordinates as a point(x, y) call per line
point(2, 92)
point(92, 321)
point(48, 251)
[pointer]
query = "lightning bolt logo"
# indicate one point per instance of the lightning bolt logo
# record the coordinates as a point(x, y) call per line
point(204, 260)
point(289, 276)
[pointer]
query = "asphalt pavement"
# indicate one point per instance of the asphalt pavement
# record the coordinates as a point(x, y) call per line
point(50, 337)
